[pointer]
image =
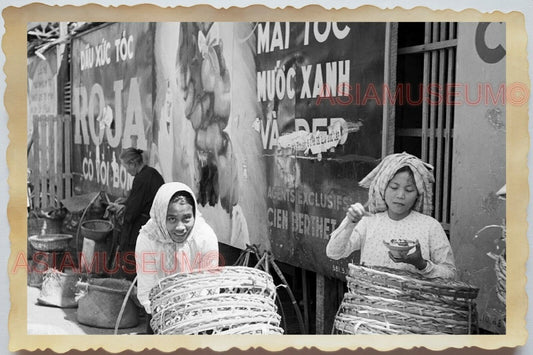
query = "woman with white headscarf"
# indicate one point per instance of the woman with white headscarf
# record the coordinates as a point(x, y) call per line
point(175, 239)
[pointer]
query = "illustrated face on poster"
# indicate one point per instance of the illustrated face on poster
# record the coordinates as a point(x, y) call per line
point(193, 78)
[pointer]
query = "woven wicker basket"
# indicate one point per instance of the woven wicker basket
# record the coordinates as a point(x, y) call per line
point(100, 300)
point(96, 229)
point(386, 301)
point(227, 300)
point(501, 271)
point(50, 242)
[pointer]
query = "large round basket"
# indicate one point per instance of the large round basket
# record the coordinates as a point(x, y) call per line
point(100, 302)
point(50, 242)
point(226, 300)
point(96, 229)
point(386, 301)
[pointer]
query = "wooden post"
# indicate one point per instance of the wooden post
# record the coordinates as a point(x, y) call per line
point(68, 141)
point(425, 105)
point(305, 300)
point(389, 73)
point(326, 303)
point(433, 107)
point(36, 173)
point(43, 163)
point(52, 164)
point(60, 157)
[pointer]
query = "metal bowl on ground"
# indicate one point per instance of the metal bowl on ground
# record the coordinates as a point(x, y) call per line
point(50, 242)
point(96, 229)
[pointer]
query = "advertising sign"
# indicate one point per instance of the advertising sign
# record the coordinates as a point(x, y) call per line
point(112, 103)
point(271, 124)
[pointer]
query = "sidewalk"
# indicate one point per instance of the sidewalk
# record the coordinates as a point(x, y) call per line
point(45, 320)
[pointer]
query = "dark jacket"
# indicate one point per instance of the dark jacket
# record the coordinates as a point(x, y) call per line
point(137, 211)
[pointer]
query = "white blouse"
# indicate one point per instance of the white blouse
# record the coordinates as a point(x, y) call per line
point(368, 236)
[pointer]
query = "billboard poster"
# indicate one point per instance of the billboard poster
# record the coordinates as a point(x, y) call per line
point(271, 124)
point(320, 128)
point(204, 113)
point(112, 103)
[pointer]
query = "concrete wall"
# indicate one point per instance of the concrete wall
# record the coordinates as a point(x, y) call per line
point(479, 162)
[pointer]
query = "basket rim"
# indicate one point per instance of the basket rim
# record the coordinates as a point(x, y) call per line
point(95, 287)
point(409, 279)
point(44, 238)
point(390, 302)
point(101, 221)
point(215, 270)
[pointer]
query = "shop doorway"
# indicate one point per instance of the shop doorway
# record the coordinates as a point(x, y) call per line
point(423, 114)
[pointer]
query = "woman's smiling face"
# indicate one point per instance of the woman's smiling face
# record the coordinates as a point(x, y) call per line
point(180, 220)
point(400, 195)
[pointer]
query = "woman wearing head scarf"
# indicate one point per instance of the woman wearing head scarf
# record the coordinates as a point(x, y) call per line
point(146, 182)
point(175, 239)
point(400, 198)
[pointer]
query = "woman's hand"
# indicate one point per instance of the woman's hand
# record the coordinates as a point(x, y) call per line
point(414, 258)
point(356, 212)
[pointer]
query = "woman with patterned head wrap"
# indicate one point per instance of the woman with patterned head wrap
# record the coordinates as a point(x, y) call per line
point(400, 202)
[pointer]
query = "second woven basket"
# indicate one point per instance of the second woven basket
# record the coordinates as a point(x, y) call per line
point(225, 300)
point(385, 301)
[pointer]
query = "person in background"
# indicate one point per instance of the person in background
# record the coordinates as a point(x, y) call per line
point(176, 239)
point(400, 204)
point(146, 182)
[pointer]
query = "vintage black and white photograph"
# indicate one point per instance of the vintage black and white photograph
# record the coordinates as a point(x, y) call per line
point(266, 178)
point(285, 175)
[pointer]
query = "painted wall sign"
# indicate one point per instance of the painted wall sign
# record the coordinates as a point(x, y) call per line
point(272, 124)
point(112, 102)
point(43, 88)
point(318, 137)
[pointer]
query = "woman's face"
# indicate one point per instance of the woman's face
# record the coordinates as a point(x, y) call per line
point(180, 220)
point(130, 166)
point(400, 195)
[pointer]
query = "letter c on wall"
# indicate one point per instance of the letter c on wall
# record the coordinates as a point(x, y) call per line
point(488, 55)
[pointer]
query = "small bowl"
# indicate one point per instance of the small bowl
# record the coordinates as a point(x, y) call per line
point(399, 248)
point(96, 229)
point(50, 242)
